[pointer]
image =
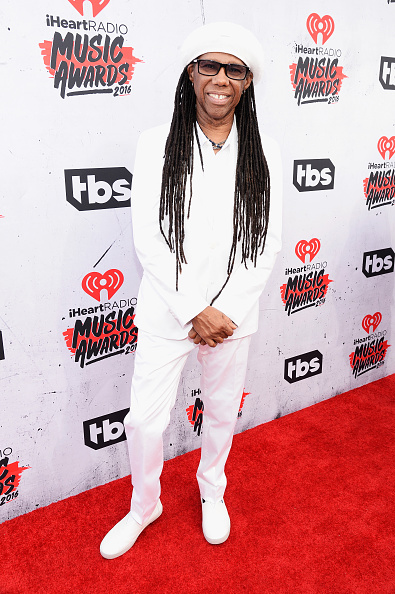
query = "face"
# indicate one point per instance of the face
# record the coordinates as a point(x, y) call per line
point(217, 96)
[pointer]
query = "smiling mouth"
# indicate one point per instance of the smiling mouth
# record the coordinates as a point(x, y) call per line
point(218, 96)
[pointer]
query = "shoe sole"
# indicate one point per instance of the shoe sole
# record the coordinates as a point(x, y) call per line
point(216, 541)
point(154, 517)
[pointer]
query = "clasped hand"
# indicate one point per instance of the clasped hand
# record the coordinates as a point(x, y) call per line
point(211, 327)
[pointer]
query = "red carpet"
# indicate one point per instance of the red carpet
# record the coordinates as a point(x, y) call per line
point(311, 502)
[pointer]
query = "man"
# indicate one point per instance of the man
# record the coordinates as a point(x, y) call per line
point(207, 244)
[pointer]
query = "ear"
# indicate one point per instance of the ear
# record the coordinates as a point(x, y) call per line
point(191, 71)
point(248, 80)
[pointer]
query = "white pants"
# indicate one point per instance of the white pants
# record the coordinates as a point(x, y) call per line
point(158, 366)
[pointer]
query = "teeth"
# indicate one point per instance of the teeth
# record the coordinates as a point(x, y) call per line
point(218, 96)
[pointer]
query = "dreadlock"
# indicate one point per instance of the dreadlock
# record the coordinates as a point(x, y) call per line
point(252, 186)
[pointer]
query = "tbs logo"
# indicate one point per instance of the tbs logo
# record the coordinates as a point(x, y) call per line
point(302, 366)
point(104, 431)
point(95, 189)
point(387, 73)
point(378, 262)
point(314, 174)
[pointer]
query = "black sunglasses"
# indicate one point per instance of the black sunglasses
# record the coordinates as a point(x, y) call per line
point(211, 68)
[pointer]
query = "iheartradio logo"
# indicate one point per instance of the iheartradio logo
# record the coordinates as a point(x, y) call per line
point(386, 144)
point(94, 282)
point(370, 323)
point(315, 25)
point(97, 5)
point(307, 250)
point(369, 352)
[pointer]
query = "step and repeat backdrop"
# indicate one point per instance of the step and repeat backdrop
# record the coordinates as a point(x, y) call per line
point(80, 81)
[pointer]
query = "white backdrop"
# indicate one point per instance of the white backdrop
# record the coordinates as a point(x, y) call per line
point(65, 229)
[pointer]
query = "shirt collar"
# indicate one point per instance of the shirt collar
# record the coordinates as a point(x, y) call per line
point(229, 141)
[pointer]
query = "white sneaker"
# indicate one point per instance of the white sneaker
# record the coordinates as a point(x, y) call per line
point(216, 522)
point(124, 534)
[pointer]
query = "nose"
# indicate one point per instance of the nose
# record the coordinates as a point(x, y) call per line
point(221, 79)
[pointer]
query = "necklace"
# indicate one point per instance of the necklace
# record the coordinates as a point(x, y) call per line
point(215, 145)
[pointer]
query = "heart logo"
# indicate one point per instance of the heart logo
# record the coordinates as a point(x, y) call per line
point(373, 321)
point(94, 282)
point(316, 24)
point(304, 248)
point(97, 6)
point(386, 144)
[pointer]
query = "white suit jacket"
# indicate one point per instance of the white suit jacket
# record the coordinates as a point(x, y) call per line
point(163, 311)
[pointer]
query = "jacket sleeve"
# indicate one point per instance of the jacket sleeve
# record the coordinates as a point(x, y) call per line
point(246, 284)
point(158, 263)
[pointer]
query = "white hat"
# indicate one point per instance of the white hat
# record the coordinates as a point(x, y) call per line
point(228, 38)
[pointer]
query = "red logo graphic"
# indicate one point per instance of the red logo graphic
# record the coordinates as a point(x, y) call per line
point(307, 285)
point(310, 249)
point(305, 290)
point(386, 144)
point(98, 338)
point(80, 65)
point(370, 352)
point(190, 414)
point(371, 322)
point(379, 188)
point(195, 413)
point(316, 80)
point(94, 282)
point(10, 477)
point(316, 24)
point(242, 402)
point(97, 6)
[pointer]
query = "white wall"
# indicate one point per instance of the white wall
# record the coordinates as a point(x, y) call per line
point(49, 247)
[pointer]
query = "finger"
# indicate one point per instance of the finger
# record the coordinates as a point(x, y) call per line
point(231, 324)
point(226, 332)
point(192, 333)
point(203, 342)
point(197, 339)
